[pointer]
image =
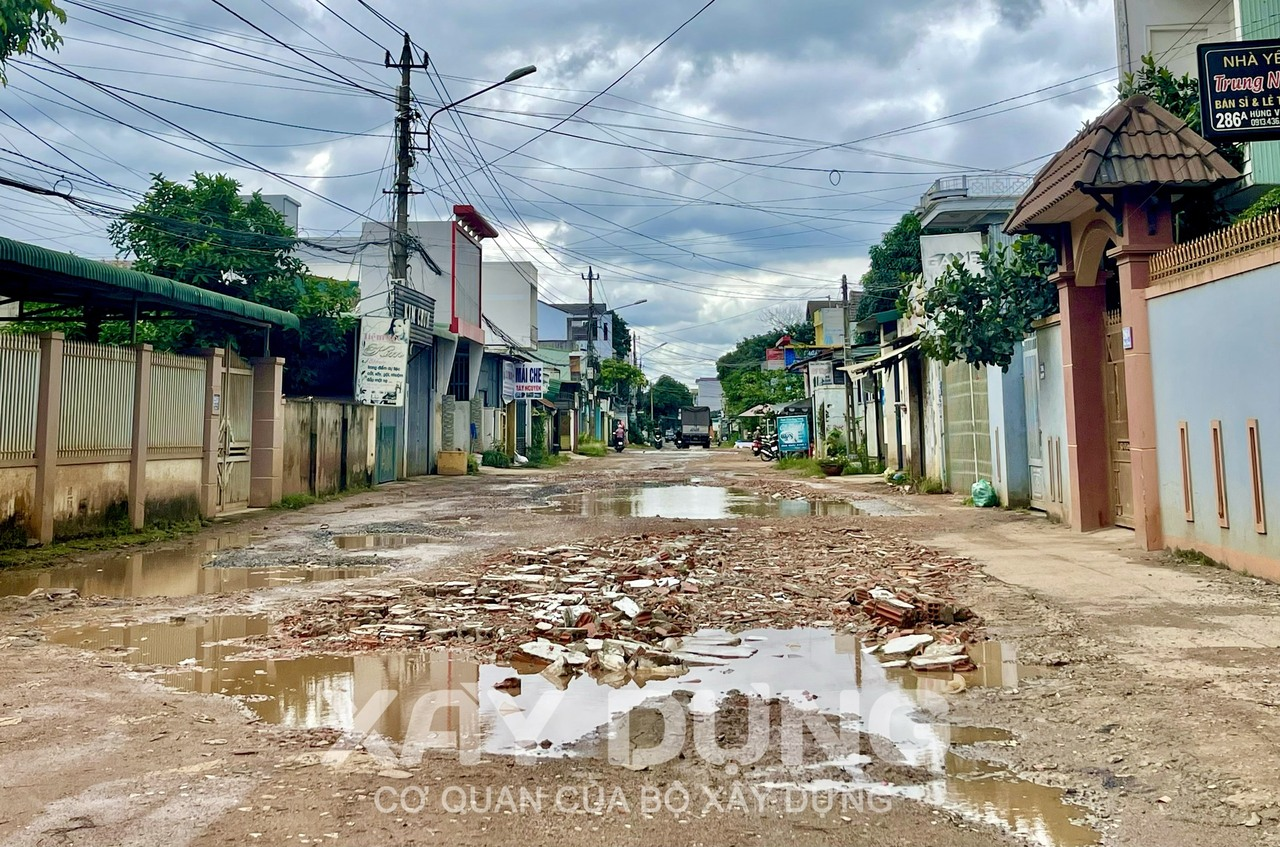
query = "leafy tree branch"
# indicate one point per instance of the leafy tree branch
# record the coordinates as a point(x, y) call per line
point(982, 317)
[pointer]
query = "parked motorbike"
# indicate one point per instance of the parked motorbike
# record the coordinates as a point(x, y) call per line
point(769, 449)
point(756, 444)
point(619, 441)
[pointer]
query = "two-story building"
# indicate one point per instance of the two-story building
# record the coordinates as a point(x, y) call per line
point(441, 300)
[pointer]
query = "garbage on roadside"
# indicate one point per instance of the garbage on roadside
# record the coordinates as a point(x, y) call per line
point(984, 494)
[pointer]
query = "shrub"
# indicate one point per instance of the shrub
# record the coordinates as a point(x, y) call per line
point(495, 458)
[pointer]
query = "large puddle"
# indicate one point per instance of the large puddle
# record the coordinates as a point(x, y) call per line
point(707, 502)
point(437, 700)
point(169, 573)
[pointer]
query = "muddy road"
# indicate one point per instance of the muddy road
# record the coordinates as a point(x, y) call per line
point(652, 648)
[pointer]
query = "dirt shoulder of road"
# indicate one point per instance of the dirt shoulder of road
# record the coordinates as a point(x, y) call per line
point(1158, 710)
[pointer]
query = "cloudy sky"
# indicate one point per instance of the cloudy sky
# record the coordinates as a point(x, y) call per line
point(737, 169)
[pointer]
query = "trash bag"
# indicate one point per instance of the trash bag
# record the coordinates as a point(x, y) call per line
point(984, 495)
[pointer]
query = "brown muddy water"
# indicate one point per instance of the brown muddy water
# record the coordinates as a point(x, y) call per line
point(383, 541)
point(183, 572)
point(708, 502)
point(432, 699)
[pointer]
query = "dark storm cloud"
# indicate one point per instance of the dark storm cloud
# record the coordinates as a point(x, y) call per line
point(712, 245)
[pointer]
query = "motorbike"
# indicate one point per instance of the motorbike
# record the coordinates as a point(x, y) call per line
point(769, 449)
point(756, 444)
point(657, 442)
point(619, 441)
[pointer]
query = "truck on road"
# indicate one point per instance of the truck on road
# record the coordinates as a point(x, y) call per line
point(695, 427)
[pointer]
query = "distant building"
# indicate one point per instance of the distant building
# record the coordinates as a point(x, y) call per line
point(709, 393)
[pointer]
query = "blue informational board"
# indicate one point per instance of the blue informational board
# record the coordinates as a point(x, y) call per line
point(793, 434)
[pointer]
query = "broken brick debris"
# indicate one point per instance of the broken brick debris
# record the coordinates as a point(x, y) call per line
point(649, 590)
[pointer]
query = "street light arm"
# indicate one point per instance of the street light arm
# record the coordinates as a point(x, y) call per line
point(511, 77)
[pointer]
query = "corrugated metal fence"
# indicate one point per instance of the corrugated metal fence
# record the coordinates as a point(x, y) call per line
point(19, 391)
point(97, 400)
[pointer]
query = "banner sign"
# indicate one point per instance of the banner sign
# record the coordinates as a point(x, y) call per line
point(508, 381)
point(793, 434)
point(418, 311)
point(381, 362)
point(820, 373)
point(1239, 90)
point(528, 381)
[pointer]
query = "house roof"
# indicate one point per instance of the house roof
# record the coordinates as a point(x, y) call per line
point(1136, 142)
point(36, 274)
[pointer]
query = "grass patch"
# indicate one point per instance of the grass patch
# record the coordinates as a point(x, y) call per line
point(298, 501)
point(302, 501)
point(802, 466)
point(591, 447)
point(1195, 557)
point(547, 460)
point(929, 485)
point(29, 556)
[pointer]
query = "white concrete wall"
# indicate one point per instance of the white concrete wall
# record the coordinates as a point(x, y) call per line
point(1051, 391)
point(511, 300)
point(1207, 367)
point(1171, 29)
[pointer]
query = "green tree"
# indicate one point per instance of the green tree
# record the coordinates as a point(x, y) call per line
point(742, 379)
point(669, 396)
point(751, 387)
point(895, 261)
point(983, 317)
point(620, 377)
point(205, 234)
point(621, 338)
point(25, 24)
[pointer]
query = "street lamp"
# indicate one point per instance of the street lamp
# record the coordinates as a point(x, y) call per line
point(518, 73)
point(629, 305)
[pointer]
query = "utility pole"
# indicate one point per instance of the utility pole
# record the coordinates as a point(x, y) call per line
point(591, 276)
point(849, 428)
point(405, 116)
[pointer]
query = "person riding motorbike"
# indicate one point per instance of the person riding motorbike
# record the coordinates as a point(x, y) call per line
point(619, 437)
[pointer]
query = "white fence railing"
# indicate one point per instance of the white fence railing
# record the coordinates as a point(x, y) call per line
point(177, 403)
point(97, 400)
point(19, 394)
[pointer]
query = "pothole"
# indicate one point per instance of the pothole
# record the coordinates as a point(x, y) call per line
point(406, 702)
point(702, 502)
point(182, 572)
point(383, 541)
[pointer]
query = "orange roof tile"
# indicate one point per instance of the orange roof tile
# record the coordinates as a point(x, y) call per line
point(1134, 143)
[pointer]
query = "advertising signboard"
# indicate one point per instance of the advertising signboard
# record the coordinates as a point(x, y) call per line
point(528, 381)
point(381, 361)
point(508, 381)
point(1239, 90)
point(820, 373)
point(793, 434)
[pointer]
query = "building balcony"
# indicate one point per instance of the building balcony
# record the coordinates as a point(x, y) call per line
point(970, 201)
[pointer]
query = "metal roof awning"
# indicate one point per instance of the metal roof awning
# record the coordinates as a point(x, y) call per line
point(31, 274)
point(886, 359)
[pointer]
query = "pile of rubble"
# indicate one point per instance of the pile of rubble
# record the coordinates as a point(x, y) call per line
point(622, 606)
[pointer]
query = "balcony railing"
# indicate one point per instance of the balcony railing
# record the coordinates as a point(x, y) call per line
point(978, 185)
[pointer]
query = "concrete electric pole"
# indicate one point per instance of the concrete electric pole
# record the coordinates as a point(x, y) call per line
point(591, 276)
point(405, 116)
point(849, 428)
